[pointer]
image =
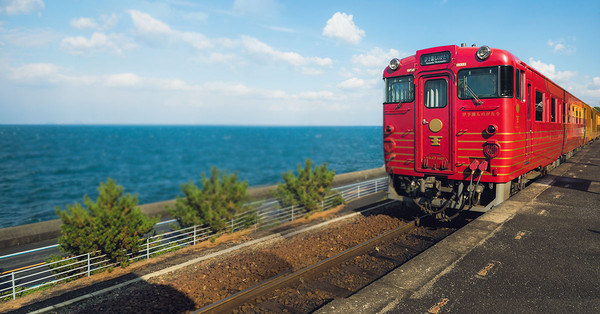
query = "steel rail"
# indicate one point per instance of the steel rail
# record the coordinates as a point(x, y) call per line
point(234, 301)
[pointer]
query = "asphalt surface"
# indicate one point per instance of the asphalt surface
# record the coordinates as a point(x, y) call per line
point(537, 252)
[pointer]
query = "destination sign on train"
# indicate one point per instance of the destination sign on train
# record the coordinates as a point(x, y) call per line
point(435, 58)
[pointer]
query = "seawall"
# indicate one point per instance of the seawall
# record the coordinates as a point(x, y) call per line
point(48, 230)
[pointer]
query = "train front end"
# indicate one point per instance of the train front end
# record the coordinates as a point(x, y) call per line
point(444, 118)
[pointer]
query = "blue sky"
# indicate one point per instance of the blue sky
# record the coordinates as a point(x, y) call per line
point(260, 62)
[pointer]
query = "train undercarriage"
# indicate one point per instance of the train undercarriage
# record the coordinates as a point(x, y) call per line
point(446, 199)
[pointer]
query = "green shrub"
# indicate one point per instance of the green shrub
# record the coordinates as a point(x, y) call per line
point(308, 189)
point(216, 203)
point(113, 225)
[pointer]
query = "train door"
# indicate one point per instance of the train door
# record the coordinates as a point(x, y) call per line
point(530, 110)
point(433, 125)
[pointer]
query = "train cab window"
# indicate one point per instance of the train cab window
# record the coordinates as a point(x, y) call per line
point(435, 94)
point(539, 106)
point(486, 82)
point(552, 109)
point(399, 89)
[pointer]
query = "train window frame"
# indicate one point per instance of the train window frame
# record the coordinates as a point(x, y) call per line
point(539, 114)
point(503, 84)
point(411, 89)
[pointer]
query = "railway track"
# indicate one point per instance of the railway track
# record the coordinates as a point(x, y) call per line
point(309, 288)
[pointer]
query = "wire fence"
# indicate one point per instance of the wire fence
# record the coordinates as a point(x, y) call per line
point(262, 215)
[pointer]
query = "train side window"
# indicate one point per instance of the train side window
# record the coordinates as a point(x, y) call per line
point(518, 84)
point(539, 106)
point(552, 109)
point(435, 94)
point(564, 112)
point(506, 84)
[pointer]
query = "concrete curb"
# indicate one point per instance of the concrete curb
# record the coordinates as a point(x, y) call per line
point(48, 230)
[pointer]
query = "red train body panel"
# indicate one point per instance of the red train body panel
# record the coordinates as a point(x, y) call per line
point(475, 121)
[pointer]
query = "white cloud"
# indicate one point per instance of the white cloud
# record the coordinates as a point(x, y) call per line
point(561, 46)
point(15, 7)
point(155, 30)
point(259, 49)
point(123, 80)
point(46, 73)
point(356, 83)
point(98, 42)
point(108, 21)
point(197, 40)
point(279, 29)
point(35, 73)
point(84, 22)
point(342, 27)
point(549, 70)
point(377, 57)
point(593, 91)
point(146, 25)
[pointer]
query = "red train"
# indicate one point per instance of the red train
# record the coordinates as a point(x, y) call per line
point(466, 127)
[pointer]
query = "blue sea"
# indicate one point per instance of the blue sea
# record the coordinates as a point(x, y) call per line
point(42, 167)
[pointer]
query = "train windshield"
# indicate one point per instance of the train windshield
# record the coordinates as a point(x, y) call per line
point(399, 89)
point(485, 82)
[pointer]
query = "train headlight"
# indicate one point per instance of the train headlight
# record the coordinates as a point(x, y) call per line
point(491, 149)
point(389, 129)
point(394, 64)
point(483, 52)
point(491, 129)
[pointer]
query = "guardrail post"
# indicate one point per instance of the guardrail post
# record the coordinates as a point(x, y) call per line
point(14, 286)
point(148, 248)
point(358, 191)
point(89, 266)
point(194, 234)
point(292, 212)
point(232, 225)
point(376, 189)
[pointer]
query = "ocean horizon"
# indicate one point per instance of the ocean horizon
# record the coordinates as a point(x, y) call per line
point(47, 165)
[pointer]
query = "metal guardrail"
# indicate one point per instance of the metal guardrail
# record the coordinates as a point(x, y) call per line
point(266, 213)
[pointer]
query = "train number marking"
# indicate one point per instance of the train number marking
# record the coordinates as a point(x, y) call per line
point(435, 140)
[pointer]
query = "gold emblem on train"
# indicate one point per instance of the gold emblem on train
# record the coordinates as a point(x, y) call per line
point(435, 125)
point(435, 140)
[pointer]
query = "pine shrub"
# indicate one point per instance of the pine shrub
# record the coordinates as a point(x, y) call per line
point(308, 189)
point(216, 203)
point(113, 225)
